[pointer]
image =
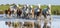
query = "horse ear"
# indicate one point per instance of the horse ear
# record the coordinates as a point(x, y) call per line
point(39, 5)
point(31, 6)
point(49, 6)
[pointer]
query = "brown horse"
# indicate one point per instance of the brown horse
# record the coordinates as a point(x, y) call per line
point(8, 12)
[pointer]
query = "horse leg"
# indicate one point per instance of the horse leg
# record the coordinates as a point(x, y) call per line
point(39, 19)
point(45, 21)
point(32, 13)
point(8, 14)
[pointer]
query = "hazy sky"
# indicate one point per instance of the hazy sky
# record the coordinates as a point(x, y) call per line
point(30, 2)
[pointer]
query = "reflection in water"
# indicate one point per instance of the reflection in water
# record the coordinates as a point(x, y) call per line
point(55, 23)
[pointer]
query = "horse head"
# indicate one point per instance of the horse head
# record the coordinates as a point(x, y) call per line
point(48, 11)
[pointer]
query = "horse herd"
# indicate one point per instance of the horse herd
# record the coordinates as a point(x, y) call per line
point(28, 11)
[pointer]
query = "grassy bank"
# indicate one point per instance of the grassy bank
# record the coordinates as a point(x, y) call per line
point(1, 12)
point(55, 9)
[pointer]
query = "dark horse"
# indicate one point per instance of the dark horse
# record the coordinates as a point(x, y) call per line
point(19, 12)
point(8, 12)
point(37, 12)
point(44, 12)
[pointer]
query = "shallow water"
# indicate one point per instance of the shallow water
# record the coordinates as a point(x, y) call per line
point(55, 21)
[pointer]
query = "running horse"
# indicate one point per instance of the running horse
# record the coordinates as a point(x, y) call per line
point(26, 11)
point(16, 10)
point(19, 12)
point(46, 12)
point(37, 12)
point(8, 12)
